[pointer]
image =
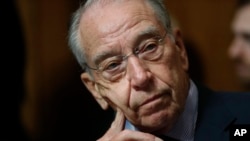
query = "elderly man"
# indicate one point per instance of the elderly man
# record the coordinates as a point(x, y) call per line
point(134, 63)
point(239, 50)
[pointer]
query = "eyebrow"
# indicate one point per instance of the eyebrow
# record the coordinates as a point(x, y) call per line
point(103, 55)
point(148, 32)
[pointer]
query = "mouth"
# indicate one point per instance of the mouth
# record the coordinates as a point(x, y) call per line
point(152, 99)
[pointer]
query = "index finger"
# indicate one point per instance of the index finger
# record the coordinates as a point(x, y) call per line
point(116, 126)
point(118, 123)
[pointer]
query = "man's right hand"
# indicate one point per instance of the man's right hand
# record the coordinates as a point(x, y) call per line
point(116, 132)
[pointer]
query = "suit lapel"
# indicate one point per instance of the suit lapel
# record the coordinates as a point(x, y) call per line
point(213, 117)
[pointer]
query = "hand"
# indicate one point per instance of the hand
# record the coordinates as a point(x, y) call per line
point(117, 133)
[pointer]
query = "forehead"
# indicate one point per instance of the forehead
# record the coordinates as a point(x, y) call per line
point(109, 17)
point(104, 24)
point(242, 19)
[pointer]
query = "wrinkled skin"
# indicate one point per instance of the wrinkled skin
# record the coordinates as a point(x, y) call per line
point(151, 96)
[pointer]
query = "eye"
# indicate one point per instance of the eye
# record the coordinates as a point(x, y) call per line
point(246, 37)
point(111, 66)
point(148, 48)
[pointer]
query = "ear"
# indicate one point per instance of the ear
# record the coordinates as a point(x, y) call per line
point(94, 90)
point(181, 47)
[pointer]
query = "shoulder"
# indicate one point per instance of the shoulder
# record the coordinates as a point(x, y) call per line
point(236, 103)
point(217, 110)
point(235, 97)
point(227, 96)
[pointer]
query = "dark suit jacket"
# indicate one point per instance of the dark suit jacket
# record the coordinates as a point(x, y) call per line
point(217, 111)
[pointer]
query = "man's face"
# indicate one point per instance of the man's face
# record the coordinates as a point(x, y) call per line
point(150, 94)
point(239, 50)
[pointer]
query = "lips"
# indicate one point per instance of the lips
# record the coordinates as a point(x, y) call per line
point(152, 99)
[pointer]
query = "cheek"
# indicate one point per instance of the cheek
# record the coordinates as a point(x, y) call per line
point(172, 74)
point(117, 95)
point(169, 70)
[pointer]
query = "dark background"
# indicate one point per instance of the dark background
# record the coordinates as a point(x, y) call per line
point(45, 98)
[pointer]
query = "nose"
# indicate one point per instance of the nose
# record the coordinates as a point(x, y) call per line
point(235, 49)
point(138, 73)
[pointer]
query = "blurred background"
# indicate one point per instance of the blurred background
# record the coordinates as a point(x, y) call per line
point(45, 97)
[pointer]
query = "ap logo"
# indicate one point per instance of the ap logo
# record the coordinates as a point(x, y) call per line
point(240, 132)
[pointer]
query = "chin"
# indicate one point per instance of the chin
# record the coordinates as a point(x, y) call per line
point(156, 122)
